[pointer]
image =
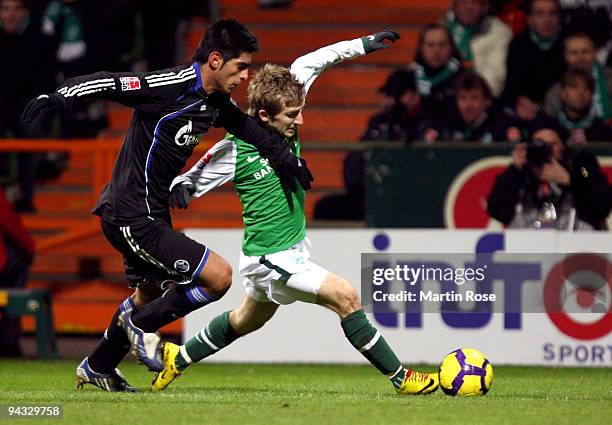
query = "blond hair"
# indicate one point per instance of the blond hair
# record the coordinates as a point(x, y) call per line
point(272, 89)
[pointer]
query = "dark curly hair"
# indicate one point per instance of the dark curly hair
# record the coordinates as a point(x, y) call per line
point(228, 37)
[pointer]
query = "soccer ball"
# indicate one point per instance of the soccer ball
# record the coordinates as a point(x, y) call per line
point(465, 372)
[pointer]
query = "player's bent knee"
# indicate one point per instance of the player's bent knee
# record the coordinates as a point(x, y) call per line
point(348, 302)
point(216, 277)
point(224, 279)
point(339, 295)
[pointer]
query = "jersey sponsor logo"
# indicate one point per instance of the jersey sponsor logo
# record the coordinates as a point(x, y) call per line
point(263, 172)
point(129, 83)
point(181, 266)
point(204, 160)
point(185, 136)
point(252, 158)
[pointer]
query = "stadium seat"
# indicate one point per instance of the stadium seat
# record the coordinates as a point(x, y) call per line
point(37, 303)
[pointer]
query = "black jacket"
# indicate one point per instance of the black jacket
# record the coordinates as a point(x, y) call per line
point(589, 192)
point(531, 71)
point(451, 128)
point(398, 124)
point(27, 69)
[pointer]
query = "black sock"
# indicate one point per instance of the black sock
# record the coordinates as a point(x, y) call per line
point(113, 346)
point(175, 303)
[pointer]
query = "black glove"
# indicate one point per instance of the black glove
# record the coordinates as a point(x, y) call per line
point(39, 111)
point(289, 168)
point(180, 195)
point(375, 41)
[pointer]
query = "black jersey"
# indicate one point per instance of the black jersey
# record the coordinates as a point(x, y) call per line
point(171, 112)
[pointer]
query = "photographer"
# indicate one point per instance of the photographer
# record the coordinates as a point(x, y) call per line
point(548, 186)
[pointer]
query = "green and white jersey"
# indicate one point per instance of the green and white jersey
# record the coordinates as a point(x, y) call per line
point(273, 216)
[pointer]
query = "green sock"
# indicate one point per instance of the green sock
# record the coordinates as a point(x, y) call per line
point(366, 338)
point(398, 378)
point(215, 336)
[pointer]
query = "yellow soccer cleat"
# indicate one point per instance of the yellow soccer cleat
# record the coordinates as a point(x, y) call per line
point(170, 371)
point(417, 383)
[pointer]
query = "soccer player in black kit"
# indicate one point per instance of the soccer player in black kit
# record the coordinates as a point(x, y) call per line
point(172, 108)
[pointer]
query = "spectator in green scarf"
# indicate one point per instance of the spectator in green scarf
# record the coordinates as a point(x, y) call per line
point(481, 39)
point(577, 90)
point(580, 53)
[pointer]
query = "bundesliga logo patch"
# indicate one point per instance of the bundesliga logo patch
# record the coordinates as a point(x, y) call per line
point(129, 83)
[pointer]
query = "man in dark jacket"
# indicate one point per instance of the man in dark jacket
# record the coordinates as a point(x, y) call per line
point(27, 68)
point(535, 59)
point(547, 186)
point(471, 119)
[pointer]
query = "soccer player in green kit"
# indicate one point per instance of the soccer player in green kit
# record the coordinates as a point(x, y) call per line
point(275, 260)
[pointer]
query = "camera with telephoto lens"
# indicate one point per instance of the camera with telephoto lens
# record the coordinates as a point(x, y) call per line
point(538, 153)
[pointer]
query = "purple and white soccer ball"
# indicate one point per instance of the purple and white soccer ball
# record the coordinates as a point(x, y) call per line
point(465, 372)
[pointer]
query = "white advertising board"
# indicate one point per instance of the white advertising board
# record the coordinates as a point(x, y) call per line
point(302, 333)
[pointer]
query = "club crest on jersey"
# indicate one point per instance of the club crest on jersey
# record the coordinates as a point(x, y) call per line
point(185, 136)
point(129, 83)
point(181, 266)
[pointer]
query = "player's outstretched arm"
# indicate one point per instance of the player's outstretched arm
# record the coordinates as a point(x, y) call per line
point(308, 67)
point(134, 89)
point(270, 145)
point(40, 110)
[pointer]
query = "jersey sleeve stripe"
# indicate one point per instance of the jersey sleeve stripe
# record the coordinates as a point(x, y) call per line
point(94, 90)
point(69, 91)
point(90, 92)
point(167, 74)
point(171, 76)
point(173, 81)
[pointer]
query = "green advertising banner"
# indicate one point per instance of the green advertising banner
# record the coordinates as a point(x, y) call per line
point(445, 185)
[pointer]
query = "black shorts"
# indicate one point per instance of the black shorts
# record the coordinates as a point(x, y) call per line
point(154, 252)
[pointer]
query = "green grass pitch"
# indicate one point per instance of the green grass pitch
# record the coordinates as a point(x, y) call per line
point(307, 394)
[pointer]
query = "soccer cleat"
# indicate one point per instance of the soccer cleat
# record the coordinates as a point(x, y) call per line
point(112, 382)
point(170, 372)
point(417, 383)
point(145, 346)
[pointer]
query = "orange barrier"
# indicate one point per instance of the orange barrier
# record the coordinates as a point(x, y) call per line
point(69, 239)
point(103, 153)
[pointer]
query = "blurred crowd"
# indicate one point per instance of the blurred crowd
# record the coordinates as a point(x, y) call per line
point(475, 78)
point(491, 71)
point(44, 42)
point(521, 72)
